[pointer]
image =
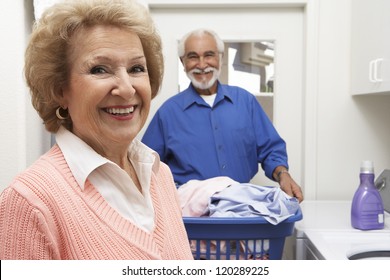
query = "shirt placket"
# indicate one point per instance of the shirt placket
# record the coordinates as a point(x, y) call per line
point(220, 147)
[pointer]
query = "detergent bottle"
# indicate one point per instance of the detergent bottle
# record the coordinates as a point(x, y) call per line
point(367, 206)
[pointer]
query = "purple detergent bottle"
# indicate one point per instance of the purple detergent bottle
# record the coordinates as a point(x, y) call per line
point(367, 205)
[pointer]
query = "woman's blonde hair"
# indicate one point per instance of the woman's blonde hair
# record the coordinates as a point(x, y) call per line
point(46, 63)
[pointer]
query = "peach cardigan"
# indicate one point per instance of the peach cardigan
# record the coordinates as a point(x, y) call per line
point(44, 214)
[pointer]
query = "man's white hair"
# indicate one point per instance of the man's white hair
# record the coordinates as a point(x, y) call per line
point(199, 32)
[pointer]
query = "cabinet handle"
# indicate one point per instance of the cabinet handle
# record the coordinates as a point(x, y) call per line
point(378, 64)
point(371, 71)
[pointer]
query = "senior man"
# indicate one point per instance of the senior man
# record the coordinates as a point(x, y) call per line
point(212, 129)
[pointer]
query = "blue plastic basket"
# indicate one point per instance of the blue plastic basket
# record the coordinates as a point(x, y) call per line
point(252, 238)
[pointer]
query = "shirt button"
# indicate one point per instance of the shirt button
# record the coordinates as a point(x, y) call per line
point(223, 166)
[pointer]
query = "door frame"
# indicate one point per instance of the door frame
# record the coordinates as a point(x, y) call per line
point(310, 71)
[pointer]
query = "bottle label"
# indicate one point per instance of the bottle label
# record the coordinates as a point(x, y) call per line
point(380, 218)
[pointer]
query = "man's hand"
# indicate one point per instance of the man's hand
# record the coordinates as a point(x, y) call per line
point(287, 184)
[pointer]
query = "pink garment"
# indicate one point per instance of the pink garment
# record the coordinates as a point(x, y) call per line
point(44, 214)
point(195, 194)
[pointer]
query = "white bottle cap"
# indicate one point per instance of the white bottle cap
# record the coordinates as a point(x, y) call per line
point(367, 166)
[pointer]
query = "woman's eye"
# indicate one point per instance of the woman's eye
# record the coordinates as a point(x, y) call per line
point(98, 70)
point(137, 69)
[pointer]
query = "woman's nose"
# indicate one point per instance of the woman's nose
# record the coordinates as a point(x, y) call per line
point(124, 85)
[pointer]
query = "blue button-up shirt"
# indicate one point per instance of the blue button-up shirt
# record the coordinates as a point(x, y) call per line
point(228, 139)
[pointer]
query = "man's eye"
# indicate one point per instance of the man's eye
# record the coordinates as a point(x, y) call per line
point(98, 70)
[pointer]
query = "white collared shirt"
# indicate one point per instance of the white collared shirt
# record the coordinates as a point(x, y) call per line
point(111, 181)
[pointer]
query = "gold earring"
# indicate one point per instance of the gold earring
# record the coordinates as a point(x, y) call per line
point(58, 114)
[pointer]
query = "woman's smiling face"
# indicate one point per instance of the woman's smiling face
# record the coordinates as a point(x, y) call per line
point(108, 93)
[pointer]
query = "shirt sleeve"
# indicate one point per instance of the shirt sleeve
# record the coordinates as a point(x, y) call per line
point(154, 136)
point(271, 148)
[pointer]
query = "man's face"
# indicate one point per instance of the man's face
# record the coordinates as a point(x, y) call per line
point(202, 61)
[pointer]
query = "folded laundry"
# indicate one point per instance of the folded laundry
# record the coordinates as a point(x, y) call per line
point(248, 200)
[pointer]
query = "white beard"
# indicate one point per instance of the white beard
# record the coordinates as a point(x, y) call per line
point(204, 84)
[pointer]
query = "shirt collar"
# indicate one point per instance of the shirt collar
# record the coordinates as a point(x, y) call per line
point(83, 160)
point(192, 96)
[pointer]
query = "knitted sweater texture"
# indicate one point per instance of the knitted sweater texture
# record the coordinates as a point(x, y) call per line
point(44, 214)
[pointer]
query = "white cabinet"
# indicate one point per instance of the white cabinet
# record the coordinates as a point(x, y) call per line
point(305, 250)
point(370, 47)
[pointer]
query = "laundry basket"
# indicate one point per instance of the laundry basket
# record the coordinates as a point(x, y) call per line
point(241, 238)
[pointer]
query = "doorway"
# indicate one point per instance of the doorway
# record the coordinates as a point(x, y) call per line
point(283, 26)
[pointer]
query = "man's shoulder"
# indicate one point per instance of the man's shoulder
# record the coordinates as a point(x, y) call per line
point(235, 88)
point(175, 101)
point(177, 97)
point(236, 92)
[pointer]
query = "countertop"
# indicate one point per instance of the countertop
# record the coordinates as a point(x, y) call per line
point(326, 226)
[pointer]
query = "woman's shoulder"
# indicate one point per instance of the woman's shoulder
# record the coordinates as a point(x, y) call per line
point(41, 174)
point(53, 161)
point(164, 170)
point(164, 177)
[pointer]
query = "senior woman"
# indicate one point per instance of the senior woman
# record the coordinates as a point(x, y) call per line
point(92, 68)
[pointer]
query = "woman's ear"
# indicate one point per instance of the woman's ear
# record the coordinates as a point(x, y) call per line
point(61, 98)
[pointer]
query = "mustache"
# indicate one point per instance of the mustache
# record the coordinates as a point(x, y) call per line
point(203, 71)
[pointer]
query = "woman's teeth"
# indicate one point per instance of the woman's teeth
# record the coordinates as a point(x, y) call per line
point(120, 111)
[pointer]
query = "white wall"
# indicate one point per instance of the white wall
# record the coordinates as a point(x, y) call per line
point(343, 129)
point(350, 129)
point(22, 139)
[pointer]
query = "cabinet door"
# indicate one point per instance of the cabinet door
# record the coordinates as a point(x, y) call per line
point(370, 47)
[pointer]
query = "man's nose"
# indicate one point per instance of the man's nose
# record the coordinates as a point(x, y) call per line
point(202, 63)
